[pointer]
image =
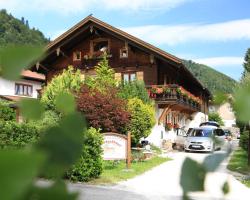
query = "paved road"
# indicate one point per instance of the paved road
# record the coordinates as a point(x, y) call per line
point(162, 182)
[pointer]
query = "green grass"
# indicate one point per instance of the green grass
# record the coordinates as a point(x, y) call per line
point(116, 171)
point(238, 163)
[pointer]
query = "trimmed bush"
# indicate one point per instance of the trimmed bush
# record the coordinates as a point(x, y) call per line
point(6, 113)
point(142, 119)
point(90, 164)
point(215, 117)
point(69, 81)
point(103, 110)
point(134, 89)
point(50, 118)
point(14, 135)
point(244, 140)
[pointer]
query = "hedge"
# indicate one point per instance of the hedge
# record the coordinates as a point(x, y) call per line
point(14, 135)
point(90, 165)
point(244, 140)
point(6, 113)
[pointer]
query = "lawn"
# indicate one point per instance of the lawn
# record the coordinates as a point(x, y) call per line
point(238, 163)
point(116, 171)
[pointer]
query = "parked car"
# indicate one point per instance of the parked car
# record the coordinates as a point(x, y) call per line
point(210, 123)
point(202, 139)
point(179, 139)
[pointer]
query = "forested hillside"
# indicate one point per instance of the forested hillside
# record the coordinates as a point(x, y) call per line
point(212, 79)
point(17, 31)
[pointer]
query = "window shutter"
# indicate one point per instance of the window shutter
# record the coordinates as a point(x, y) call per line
point(118, 76)
point(139, 76)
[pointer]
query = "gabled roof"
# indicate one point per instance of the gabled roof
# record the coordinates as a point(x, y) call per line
point(90, 18)
point(33, 75)
point(57, 42)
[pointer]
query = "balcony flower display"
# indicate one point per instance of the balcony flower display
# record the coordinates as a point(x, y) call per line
point(166, 90)
point(176, 126)
point(163, 90)
point(159, 90)
point(169, 126)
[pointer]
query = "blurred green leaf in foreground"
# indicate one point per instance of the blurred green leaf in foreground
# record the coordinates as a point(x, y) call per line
point(58, 149)
point(13, 59)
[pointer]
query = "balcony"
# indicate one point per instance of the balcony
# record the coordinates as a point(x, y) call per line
point(176, 96)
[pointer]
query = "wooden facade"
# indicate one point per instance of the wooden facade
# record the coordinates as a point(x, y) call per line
point(82, 46)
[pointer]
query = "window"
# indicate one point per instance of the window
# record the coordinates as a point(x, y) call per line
point(23, 90)
point(219, 132)
point(100, 45)
point(77, 55)
point(124, 53)
point(129, 76)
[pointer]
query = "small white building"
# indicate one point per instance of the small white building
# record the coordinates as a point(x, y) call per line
point(27, 87)
point(226, 113)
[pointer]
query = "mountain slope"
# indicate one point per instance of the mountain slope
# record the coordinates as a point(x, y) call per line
point(17, 31)
point(213, 80)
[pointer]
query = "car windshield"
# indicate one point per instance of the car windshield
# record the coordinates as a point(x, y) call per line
point(201, 133)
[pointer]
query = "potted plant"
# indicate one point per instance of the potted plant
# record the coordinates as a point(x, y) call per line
point(166, 90)
point(159, 90)
point(169, 126)
point(176, 126)
point(178, 92)
point(153, 92)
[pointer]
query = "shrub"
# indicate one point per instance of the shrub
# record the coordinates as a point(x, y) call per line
point(215, 117)
point(244, 137)
point(69, 81)
point(50, 118)
point(6, 113)
point(14, 135)
point(142, 119)
point(103, 110)
point(104, 78)
point(90, 164)
point(135, 89)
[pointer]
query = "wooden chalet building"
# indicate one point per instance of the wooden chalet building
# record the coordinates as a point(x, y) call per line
point(180, 99)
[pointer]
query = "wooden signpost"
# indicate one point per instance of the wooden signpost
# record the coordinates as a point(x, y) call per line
point(117, 147)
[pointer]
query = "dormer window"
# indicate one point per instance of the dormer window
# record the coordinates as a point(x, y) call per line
point(123, 53)
point(99, 46)
point(77, 56)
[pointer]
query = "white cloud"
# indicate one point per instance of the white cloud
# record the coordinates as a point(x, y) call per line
point(53, 35)
point(74, 6)
point(221, 61)
point(176, 34)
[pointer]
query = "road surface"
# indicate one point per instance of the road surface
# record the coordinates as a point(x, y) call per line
point(162, 182)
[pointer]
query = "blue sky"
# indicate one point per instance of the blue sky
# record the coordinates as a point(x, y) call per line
point(212, 32)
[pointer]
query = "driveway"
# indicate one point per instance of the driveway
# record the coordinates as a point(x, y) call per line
point(162, 182)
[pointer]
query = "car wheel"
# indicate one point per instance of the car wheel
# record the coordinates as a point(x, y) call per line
point(186, 150)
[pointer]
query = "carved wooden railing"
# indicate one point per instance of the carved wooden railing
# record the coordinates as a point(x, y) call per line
point(174, 93)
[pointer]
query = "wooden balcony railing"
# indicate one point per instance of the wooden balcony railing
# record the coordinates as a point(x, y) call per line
point(174, 94)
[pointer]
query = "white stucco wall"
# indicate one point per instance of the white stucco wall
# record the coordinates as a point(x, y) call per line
point(158, 133)
point(7, 87)
point(229, 123)
point(197, 118)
